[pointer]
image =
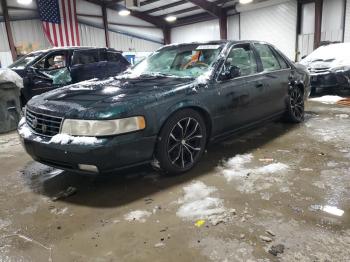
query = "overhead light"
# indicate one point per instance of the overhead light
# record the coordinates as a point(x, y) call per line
point(24, 2)
point(124, 12)
point(170, 18)
point(243, 2)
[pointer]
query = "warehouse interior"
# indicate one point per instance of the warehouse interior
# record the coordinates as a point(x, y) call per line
point(275, 192)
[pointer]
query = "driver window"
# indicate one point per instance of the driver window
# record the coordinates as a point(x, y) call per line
point(52, 62)
point(242, 57)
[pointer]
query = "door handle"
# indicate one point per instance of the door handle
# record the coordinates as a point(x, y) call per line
point(259, 85)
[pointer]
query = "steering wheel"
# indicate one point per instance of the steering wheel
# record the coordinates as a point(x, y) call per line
point(195, 64)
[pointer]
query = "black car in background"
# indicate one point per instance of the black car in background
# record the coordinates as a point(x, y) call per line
point(165, 109)
point(46, 70)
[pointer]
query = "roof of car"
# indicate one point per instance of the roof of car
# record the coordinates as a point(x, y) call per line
point(219, 42)
point(74, 48)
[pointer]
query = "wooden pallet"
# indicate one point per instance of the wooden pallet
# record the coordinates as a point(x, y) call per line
point(344, 102)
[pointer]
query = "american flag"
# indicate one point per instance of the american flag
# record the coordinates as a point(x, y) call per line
point(60, 23)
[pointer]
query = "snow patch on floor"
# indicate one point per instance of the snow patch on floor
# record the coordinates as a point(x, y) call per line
point(327, 99)
point(137, 215)
point(198, 203)
point(251, 179)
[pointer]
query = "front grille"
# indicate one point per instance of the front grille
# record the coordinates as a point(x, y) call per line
point(42, 124)
point(319, 70)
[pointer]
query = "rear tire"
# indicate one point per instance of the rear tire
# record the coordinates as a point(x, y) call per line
point(295, 106)
point(181, 142)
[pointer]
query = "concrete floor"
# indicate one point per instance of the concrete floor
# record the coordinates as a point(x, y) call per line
point(275, 185)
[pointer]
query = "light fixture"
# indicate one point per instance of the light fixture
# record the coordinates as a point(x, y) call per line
point(24, 2)
point(243, 2)
point(170, 18)
point(124, 12)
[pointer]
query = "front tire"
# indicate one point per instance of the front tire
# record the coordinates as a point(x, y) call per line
point(295, 105)
point(181, 142)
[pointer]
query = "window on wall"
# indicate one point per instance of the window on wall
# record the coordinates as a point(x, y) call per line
point(268, 59)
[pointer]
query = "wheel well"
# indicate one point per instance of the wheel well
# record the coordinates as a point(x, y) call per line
point(202, 112)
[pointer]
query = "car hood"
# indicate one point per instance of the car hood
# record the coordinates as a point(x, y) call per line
point(107, 98)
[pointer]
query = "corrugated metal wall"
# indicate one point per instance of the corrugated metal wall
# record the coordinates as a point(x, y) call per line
point(127, 43)
point(347, 22)
point(332, 20)
point(28, 33)
point(204, 31)
point(91, 36)
point(4, 46)
point(233, 27)
point(275, 24)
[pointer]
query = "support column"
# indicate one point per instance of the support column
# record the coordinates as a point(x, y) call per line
point(318, 22)
point(105, 24)
point(8, 29)
point(167, 35)
point(223, 25)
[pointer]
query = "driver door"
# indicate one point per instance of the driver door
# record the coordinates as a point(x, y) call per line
point(49, 73)
point(237, 92)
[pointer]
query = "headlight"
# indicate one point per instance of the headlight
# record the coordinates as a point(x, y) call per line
point(102, 127)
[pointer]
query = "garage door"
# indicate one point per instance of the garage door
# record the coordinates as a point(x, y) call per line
point(275, 24)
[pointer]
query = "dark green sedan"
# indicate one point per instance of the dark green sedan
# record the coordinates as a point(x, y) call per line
point(166, 109)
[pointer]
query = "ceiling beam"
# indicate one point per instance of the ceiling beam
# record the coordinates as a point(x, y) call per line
point(209, 7)
point(188, 20)
point(163, 7)
point(190, 9)
point(143, 16)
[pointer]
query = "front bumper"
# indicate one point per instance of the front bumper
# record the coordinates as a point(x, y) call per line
point(330, 79)
point(107, 154)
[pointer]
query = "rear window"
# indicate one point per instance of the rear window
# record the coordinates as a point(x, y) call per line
point(268, 58)
point(116, 58)
point(85, 57)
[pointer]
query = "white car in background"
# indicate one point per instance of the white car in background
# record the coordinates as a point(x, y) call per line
point(329, 67)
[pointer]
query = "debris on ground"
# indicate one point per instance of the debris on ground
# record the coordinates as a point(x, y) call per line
point(199, 223)
point(241, 236)
point(160, 244)
point(64, 194)
point(271, 233)
point(265, 238)
point(148, 201)
point(275, 250)
point(266, 159)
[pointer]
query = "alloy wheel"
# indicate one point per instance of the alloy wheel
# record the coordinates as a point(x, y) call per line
point(184, 142)
point(297, 103)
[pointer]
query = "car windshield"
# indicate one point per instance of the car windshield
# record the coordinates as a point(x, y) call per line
point(25, 60)
point(190, 60)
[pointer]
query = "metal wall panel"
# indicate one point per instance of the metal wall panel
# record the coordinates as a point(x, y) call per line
point(203, 31)
point(29, 34)
point(275, 24)
point(233, 27)
point(332, 20)
point(126, 43)
point(4, 45)
point(347, 22)
point(91, 36)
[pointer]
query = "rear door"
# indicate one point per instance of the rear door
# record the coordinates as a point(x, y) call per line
point(86, 65)
point(275, 79)
point(116, 63)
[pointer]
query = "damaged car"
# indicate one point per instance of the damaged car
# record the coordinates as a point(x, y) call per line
point(166, 109)
point(329, 68)
point(45, 70)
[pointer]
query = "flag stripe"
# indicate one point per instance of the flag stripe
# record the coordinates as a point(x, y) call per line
point(70, 24)
point(63, 35)
point(76, 22)
point(65, 22)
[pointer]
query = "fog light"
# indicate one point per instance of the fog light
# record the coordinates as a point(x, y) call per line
point(89, 168)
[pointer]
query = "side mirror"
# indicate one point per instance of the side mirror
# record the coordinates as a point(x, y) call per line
point(303, 57)
point(230, 72)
